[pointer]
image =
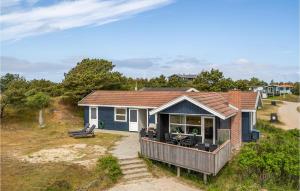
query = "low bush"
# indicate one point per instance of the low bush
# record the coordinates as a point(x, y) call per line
point(60, 185)
point(274, 159)
point(109, 168)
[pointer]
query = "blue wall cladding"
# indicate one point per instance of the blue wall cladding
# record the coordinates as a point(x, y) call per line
point(185, 107)
point(86, 115)
point(106, 115)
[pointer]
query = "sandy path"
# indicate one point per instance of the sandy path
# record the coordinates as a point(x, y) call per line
point(289, 115)
point(157, 184)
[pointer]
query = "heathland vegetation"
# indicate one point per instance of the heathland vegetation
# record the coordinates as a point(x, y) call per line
point(272, 163)
point(99, 74)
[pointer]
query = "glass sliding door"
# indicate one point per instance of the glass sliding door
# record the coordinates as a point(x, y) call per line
point(209, 129)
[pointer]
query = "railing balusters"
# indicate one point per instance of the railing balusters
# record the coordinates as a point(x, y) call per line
point(190, 158)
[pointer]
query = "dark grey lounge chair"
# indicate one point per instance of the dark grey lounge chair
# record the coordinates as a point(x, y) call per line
point(88, 133)
point(79, 131)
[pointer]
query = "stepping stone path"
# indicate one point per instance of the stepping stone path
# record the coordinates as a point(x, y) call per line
point(134, 170)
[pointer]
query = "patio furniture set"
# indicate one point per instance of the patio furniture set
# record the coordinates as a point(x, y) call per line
point(191, 141)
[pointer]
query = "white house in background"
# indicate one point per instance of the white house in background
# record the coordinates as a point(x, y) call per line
point(278, 89)
point(260, 89)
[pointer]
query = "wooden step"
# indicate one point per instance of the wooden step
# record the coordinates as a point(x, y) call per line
point(135, 171)
point(128, 162)
point(128, 177)
point(133, 166)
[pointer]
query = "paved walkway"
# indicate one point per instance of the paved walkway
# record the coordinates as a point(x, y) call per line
point(128, 147)
point(289, 115)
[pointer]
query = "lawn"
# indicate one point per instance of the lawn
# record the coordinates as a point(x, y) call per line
point(21, 136)
point(287, 97)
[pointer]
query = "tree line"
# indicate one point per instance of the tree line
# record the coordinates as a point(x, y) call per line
point(98, 74)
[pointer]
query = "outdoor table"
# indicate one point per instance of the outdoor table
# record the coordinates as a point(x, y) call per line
point(179, 138)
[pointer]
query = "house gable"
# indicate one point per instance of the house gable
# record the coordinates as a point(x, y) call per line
point(185, 107)
point(191, 100)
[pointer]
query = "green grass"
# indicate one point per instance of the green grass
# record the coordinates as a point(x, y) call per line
point(287, 97)
point(272, 163)
point(108, 168)
point(21, 135)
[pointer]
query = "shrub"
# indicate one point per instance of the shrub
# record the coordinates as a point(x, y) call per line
point(273, 159)
point(108, 167)
point(59, 185)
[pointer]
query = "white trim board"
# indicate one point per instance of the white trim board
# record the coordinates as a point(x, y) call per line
point(181, 98)
point(119, 106)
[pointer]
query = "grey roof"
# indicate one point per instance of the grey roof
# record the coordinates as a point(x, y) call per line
point(184, 89)
point(186, 75)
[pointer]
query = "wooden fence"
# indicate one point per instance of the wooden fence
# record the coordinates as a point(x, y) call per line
point(184, 157)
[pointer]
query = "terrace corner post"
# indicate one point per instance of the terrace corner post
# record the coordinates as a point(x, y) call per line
point(205, 178)
point(178, 171)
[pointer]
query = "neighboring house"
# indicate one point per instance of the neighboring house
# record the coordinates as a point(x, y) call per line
point(188, 77)
point(278, 89)
point(184, 89)
point(260, 89)
point(222, 119)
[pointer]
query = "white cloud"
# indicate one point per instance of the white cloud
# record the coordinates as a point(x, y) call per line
point(69, 14)
point(242, 61)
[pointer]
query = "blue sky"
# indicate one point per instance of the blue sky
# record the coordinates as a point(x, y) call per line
point(145, 38)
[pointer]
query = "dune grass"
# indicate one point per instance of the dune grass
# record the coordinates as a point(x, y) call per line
point(21, 135)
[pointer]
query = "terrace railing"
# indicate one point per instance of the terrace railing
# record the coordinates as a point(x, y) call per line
point(185, 157)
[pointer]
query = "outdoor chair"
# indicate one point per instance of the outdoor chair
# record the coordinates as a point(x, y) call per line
point(79, 131)
point(169, 140)
point(212, 147)
point(88, 133)
point(143, 132)
point(151, 135)
point(201, 146)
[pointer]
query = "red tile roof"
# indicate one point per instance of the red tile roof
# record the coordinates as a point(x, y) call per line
point(248, 99)
point(215, 100)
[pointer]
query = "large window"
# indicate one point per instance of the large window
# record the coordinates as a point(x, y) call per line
point(186, 124)
point(121, 114)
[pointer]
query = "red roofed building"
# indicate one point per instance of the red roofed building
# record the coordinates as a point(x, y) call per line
point(211, 116)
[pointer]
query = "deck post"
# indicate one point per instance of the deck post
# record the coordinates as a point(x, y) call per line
point(205, 178)
point(178, 171)
point(189, 171)
point(169, 165)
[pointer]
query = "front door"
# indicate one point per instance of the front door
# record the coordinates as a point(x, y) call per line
point(133, 120)
point(93, 116)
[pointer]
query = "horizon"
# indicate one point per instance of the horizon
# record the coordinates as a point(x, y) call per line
point(145, 39)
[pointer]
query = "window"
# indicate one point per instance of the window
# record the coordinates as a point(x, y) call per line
point(121, 114)
point(186, 124)
point(93, 113)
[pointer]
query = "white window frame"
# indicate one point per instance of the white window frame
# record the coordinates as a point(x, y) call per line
point(184, 124)
point(203, 117)
point(115, 114)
